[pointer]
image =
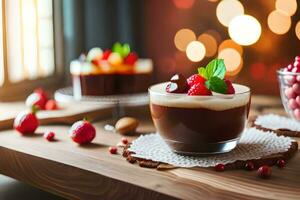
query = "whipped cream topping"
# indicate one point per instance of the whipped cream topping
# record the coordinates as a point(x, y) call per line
point(219, 102)
point(77, 67)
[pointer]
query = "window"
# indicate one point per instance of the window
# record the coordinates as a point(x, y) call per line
point(27, 43)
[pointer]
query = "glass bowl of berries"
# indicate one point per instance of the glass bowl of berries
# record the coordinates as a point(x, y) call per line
point(289, 84)
point(203, 114)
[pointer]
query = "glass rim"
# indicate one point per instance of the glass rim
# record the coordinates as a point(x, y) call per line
point(150, 90)
point(281, 72)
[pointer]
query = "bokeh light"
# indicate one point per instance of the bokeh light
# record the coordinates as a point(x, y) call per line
point(228, 9)
point(195, 51)
point(168, 65)
point(230, 44)
point(232, 59)
point(183, 37)
point(297, 30)
point(279, 22)
point(244, 30)
point(289, 7)
point(258, 71)
point(210, 44)
point(215, 34)
point(184, 4)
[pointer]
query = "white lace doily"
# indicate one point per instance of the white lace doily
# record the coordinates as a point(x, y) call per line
point(253, 145)
point(275, 122)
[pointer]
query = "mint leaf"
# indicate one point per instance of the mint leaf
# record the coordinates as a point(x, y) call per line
point(217, 68)
point(216, 84)
point(202, 72)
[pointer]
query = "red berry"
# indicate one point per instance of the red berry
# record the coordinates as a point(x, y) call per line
point(36, 99)
point(249, 166)
point(296, 69)
point(281, 163)
point(264, 171)
point(82, 132)
point(113, 150)
point(49, 136)
point(42, 92)
point(297, 58)
point(199, 89)
point(131, 58)
point(289, 67)
point(230, 88)
point(51, 105)
point(220, 167)
point(106, 54)
point(26, 123)
point(124, 141)
point(296, 64)
point(194, 79)
point(96, 62)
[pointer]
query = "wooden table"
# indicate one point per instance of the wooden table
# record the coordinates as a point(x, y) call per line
point(90, 172)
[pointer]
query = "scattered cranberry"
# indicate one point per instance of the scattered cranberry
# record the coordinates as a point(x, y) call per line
point(106, 54)
point(264, 171)
point(220, 167)
point(82, 132)
point(199, 89)
point(230, 88)
point(124, 141)
point(49, 136)
point(113, 150)
point(26, 123)
point(249, 166)
point(281, 163)
point(131, 58)
point(51, 105)
point(36, 99)
point(194, 79)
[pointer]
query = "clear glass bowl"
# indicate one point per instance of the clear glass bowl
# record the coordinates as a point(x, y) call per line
point(289, 84)
point(199, 124)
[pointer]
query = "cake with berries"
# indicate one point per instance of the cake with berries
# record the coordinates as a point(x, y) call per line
point(113, 71)
point(204, 113)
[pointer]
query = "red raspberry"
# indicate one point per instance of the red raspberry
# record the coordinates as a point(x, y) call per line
point(131, 58)
point(113, 150)
point(264, 171)
point(124, 141)
point(220, 167)
point(199, 89)
point(49, 136)
point(194, 79)
point(51, 105)
point(37, 100)
point(230, 88)
point(106, 54)
point(82, 132)
point(26, 123)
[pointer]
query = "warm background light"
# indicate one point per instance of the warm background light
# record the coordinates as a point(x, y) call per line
point(244, 30)
point(232, 59)
point(184, 4)
point(183, 37)
point(279, 22)
point(210, 44)
point(195, 51)
point(289, 7)
point(228, 9)
point(297, 30)
point(230, 44)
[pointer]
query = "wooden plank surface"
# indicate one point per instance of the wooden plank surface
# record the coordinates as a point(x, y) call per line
point(90, 172)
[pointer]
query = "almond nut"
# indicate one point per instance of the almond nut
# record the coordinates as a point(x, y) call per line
point(126, 125)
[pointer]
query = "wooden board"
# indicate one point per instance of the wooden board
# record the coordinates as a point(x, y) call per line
point(67, 114)
point(90, 172)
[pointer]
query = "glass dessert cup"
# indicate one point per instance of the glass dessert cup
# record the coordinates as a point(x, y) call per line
point(199, 124)
point(289, 84)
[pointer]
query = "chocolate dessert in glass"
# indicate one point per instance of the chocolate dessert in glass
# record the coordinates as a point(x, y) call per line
point(204, 114)
point(113, 71)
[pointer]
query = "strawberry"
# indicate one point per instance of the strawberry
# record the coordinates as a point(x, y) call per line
point(131, 58)
point(230, 88)
point(199, 89)
point(194, 79)
point(42, 92)
point(82, 132)
point(36, 99)
point(49, 136)
point(106, 54)
point(51, 105)
point(26, 123)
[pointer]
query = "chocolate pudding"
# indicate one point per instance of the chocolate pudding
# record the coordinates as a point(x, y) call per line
point(199, 124)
